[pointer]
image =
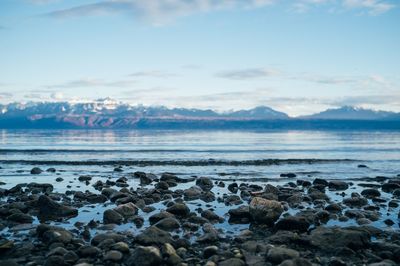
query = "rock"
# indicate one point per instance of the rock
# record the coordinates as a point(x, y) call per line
point(54, 261)
point(97, 239)
point(127, 210)
point(293, 223)
point(84, 178)
point(145, 256)
point(205, 183)
point(240, 213)
point(338, 185)
point(36, 171)
point(210, 251)
point(153, 236)
point(51, 234)
point(383, 263)
point(232, 262)
point(233, 187)
point(192, 193)
point(49, 209)
point(297, 262)
point(334, 207)
point(288, 175)
point(112, 217)
point(113, 255)
point(168, 224)
point(179, 209)
point(57, 251)
point(121, 246)
point(20, 218)
point(159, 216)
point(355, 201)
point(162, 185)
point(210, 234)
point(265, 211)
point(389, 187)
point(319, 181)
point(51, 170)
point(335, 237)
point(279, 254)
point(211, 216)
point(88, 251)
point(371, 193)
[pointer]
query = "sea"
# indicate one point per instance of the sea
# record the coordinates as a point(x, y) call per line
point(230, 156)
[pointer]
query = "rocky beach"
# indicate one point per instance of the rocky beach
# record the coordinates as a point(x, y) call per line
point(129, 217)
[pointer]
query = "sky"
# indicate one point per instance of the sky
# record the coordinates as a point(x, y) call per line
point(296, 56)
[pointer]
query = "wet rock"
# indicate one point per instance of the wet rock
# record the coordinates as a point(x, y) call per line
point(297, 262)
point(179, 209)
point(288, 175)
point(240, 213)
point(162, 185)
point(20, 218)
point(338, 185)
point(390, 186)
point(335, 237)
point(211, 216)
point(210, 234)
point(51, 170)
point(121, 246)
point(205, 183)
point(112, 217)
point(355, 201)
point(334, 207)
point(84, 178)
point(293, 223)
point(192, 193)
point(51, 234)
point(168, 224)
point(232, 262)
point(113, 255)
point(265, 211)
point(159, 216)
point(36, 171)
point(145, 256)
point(371, 193)
point(319, 181)
point(97, 239)
point(279, 254)
point(127, 210)
point(233, 187)
point(153, 236)
point(210, 251)
point(88, 251)
point(49, 209)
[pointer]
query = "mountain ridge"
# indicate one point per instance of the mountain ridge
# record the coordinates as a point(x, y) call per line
point(108, 113)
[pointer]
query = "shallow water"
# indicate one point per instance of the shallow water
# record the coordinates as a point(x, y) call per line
point(380, 151)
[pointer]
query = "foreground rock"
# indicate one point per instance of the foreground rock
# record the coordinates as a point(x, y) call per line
point(265, 211)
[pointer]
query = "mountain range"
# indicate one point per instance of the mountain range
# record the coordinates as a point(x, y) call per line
point(108, 113)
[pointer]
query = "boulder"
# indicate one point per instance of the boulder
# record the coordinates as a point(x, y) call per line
point(265, 211)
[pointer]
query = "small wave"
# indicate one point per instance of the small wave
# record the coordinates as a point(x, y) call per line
point(209, 162)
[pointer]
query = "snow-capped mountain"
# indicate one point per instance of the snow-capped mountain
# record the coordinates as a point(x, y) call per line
point(108, 113)
point(352, 113)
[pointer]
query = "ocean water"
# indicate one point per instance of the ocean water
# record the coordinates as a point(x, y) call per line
point(380, 151)
point(240, 156)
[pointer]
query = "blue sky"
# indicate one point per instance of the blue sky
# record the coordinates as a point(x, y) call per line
point(297, 56)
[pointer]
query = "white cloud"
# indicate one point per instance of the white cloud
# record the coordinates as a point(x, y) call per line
point(249, 73)
point(374, 7)
point(90, 82)
point(57, 96)
point(157, 12)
